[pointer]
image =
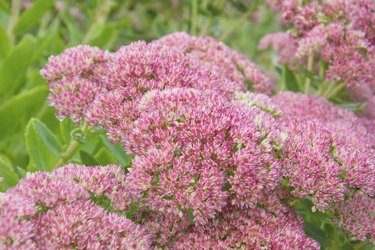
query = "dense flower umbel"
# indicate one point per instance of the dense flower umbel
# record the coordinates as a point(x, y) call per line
point(16, 230)
point(357, 14)
point(164, 227)
point(67, 215)
point(46, 190)
point(273, 225)
point(83, 225)
point(357, 217)
point(331, 142)
point(103, 183)
point(219, 57)
point(343, 49)
point(339, 32)
point(82, 60)
point(139, 67)
point(195, 149)
point(71, 96)
point(75, 79)
point(308, 164)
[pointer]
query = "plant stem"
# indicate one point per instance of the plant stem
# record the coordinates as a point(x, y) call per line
point(15, 11)
point(71, 149)
point(310, 66)
point(194, 17)
point(322, 87)
point(333, 89)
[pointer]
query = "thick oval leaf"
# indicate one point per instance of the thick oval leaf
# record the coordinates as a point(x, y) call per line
point(8, 174)
point(104, 36)
point(48, 138)
point(17, 111)
point(118, 151)
point(14, 66)
point(290, 80)
point(32, 15)
point(87, 159)
point(105, 157)
point(43, 146)
point(66, 126)
point(316, 233)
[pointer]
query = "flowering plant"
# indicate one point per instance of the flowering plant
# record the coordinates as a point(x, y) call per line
point(209, 154)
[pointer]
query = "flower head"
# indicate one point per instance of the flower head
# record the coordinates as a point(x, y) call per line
point(272, 226)
point(84, 225)
point(195, 149)
point(219, 57)
point(101, 182)
point(138, 68)
point(16, 231)
point(331, 142)
point(75, 79)
point(61, 210)
point(356, 216)
point(82, 60)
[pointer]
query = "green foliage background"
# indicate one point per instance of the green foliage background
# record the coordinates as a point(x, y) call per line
point(32, 139)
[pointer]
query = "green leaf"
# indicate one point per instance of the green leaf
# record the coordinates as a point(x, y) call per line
point(87, 159)
point(14, 66)
point(66, 126)
point(316, 233)
point(8, 173)
point(32, 15)
point(5, 44)
point(22, 172)
point(17, 111)
point(51, 142)
point(290, 79)
point(118, 151)
point(352, 106)
point(104, 36)
point(43, 146)
point(105, 157)
point(75, 34)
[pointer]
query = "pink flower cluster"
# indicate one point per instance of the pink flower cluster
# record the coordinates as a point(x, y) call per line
point(138, 68)
point(189, 144)
point(274, 223)
point(213, 168)
point(81, 77)
point(331, 142)
point(60, 210)
point(197, 153)
point(219, 57)
point(16, 231)
point(340, 33)
point(343, 51)
point(75, 79)
point(356, 216)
